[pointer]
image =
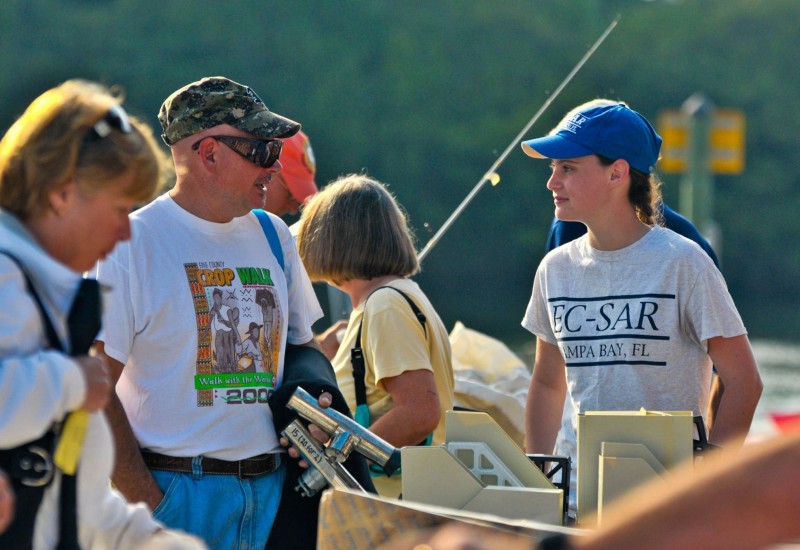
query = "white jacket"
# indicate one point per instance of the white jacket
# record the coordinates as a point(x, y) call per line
point(39, 387)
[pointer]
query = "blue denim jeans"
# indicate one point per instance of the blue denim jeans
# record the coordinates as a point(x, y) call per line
point(227, 512)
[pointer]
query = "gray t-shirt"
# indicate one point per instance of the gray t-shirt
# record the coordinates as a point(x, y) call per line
point(632, 324)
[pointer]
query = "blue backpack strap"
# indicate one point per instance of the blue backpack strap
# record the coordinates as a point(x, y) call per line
point(271, 234)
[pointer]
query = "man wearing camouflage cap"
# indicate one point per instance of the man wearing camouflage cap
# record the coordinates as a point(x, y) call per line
point(195, 437)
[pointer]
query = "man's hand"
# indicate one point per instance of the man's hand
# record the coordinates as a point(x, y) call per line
point(130, 476)
point(98, 381)
point(316, 432)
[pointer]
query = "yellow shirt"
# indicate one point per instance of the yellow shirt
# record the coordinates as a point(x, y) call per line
point(394, 342)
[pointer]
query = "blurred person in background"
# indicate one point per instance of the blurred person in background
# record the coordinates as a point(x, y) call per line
point(288, 190)
point(294, 185)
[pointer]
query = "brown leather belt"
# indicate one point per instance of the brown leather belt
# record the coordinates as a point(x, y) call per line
point(249, 467)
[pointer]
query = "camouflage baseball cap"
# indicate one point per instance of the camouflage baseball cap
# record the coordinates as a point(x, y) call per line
point(218, 100)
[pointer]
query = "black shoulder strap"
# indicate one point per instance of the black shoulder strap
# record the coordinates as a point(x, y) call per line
point(357, 353)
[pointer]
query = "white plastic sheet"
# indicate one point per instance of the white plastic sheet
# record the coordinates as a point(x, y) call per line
point(489, 377)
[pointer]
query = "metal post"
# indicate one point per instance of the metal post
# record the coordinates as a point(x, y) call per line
point(697, 186)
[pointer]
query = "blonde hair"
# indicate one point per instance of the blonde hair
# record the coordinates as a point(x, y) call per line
point(644, 192)
point(354, 229)
point(54, 142)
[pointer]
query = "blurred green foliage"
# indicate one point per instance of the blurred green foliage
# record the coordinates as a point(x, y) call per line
point(425, 95)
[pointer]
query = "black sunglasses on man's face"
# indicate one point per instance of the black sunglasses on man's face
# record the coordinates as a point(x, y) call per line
point(263, 152)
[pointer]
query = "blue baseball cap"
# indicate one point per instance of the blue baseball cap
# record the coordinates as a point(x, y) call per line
point(613, 131)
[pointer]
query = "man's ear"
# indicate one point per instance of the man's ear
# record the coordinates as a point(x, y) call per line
point(208, 153)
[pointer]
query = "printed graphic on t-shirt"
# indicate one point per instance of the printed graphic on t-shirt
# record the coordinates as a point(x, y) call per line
point(612, 330)
point(238, 328)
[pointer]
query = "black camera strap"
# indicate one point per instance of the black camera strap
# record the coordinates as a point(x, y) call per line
point(357, 353)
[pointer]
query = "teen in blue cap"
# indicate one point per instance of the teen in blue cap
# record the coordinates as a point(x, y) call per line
point(631, 314)
point(561, 232)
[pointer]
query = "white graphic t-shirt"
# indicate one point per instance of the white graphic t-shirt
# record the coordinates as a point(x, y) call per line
point(198, 312)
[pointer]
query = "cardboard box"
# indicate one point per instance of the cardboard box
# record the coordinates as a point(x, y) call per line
point(351, 519)
point(618, 450)
point(622, 467)
point(500, 480)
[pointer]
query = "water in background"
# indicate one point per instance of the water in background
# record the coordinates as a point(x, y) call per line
point(780, 371)
point(779, 363)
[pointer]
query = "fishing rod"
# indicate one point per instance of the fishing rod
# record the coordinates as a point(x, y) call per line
point(491, 174)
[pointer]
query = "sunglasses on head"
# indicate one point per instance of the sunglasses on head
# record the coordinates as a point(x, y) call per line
point(262, 152)
point(115, 119)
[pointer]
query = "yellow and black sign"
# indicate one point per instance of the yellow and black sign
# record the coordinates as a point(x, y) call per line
point(725, 146)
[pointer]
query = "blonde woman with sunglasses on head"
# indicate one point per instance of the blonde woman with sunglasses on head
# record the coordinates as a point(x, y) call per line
point(71, 169)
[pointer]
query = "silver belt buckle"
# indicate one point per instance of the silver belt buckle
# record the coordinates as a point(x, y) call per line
point(38, 470)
